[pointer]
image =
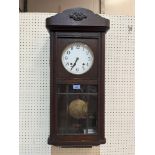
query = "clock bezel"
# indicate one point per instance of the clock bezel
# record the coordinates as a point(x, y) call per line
point(87, 47)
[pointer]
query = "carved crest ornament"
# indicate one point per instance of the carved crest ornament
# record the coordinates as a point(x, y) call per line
point(78, 16)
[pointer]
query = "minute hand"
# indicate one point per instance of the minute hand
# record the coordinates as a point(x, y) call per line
point(75, 63)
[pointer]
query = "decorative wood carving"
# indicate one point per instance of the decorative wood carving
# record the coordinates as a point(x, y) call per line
point(77, 16)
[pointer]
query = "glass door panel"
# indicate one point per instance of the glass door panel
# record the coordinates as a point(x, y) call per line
point(77, 109)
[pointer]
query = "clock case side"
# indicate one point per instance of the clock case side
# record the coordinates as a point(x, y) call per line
point(52, 136)
point(86, 21)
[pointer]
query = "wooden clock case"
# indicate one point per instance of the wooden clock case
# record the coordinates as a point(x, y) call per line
point(77, 25)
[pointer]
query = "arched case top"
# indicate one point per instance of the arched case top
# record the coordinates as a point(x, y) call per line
point(77, 19)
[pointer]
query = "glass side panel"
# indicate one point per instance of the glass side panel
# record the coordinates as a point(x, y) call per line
point(77, 109)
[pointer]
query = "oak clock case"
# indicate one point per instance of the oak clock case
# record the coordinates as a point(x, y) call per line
point(77, 78)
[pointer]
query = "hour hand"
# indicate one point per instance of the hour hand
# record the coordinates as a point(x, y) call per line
point(75, 62)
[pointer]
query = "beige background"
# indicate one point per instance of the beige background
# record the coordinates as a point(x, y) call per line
point(119, 7)
point(60, 5)
point(116, 7)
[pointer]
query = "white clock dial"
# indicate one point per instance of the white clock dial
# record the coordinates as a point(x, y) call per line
point(77, 58)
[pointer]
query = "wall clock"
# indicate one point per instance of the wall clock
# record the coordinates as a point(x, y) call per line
point(77, 78)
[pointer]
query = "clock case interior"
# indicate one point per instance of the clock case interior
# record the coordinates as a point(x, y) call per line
point(69, 93)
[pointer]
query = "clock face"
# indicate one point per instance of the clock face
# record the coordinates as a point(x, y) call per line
point(77, 58)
